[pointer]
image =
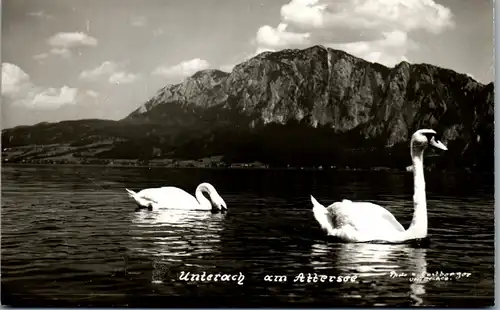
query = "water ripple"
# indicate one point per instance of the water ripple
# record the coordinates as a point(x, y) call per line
point(70, 234)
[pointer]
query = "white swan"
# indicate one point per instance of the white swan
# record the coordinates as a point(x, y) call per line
point(170, 197)
point(365, 221)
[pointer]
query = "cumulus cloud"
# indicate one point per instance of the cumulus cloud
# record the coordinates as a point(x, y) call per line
point(111, 71)
point(69, 40)
point(14, 80)
point(18, 89)
point(307, 13)
point(64, 52)
point(183, 69)
point(63, 42)
point(279, 38)
point(405, 15)
point(105, 69)
point(54, 98)
point(377, 30)
point(390, 50)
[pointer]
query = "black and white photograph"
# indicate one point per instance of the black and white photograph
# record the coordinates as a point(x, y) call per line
point(247, 153)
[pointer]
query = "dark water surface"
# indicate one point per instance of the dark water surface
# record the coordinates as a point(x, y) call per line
point(70, 237)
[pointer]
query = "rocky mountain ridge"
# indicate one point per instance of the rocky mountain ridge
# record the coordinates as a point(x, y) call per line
point(333, 105)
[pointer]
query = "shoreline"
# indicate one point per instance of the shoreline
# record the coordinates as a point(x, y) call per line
point(337, 169)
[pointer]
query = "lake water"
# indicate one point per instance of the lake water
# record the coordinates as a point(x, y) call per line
point(71, 237)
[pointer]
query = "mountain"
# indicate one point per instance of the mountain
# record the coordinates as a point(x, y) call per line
point(310, 107)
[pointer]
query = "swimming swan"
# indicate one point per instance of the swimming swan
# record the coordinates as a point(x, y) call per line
point(365, 221)
point(170, 197)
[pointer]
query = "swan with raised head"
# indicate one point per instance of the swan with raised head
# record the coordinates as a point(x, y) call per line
point(365, 221)
point(170, 197)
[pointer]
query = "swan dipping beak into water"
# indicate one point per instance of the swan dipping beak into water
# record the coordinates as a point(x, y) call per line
point(364, 221)
point(170, 197)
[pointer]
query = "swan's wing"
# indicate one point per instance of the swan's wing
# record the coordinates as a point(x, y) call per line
point(150, 194)
point(169, 197)
point(364, 216)
point(388, 217)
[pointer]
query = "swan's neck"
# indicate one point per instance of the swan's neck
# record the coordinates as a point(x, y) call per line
point(418, 226)
point(202, 200)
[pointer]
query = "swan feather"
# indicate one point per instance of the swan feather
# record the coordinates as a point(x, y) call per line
point(170, 197)
point(363, 216)
point(365, 221)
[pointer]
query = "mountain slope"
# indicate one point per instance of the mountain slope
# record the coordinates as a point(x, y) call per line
point(316, 106)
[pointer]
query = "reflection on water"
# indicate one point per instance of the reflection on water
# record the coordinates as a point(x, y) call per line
point(173, 235)
point(174, 218)
point(418, 287)
point(176, 233)
point(370, 260)
point(374, 262)
point(70, 241)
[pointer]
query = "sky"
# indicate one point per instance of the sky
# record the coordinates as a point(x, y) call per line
point(74, 59)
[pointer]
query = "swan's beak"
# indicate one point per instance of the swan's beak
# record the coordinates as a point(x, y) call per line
point(223, 207)
point(220, 206)
point(438, 144)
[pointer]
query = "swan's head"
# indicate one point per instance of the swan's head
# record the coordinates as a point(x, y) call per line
point(220, 204)
point(217, 202)
point(427, 137)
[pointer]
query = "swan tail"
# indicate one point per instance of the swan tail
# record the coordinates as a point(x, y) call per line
point(132, 194)
point(142, 202)
point(322, 216)
point(136, 197)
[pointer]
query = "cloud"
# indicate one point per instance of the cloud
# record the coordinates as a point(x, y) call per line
point(53, 98)
point(377, 30)
point(227, 67)
point(183, 69)
point(304, 12)
point(123, 78)
point(138, 21)
point(279, 38)
point(405, 15)
point(92, 93)
point(18, 89)
point(390, 50)
point(111, 71)
point(69, 40)
point(14, 80)
point(63, 42)
point(105, 69)
point(64, 52)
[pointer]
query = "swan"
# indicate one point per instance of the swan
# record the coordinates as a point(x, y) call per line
point(170, 197)
point(364, 221)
